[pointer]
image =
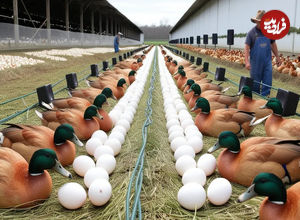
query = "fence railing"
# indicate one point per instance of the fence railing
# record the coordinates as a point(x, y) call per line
point(35, 38)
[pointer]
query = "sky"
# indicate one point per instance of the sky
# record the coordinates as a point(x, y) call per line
point(152, 12)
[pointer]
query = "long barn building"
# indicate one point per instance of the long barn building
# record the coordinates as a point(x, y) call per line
point(206, 17)
point(50, 23)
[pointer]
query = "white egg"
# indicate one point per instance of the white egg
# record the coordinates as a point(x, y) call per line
point(208, 163)
point(219, 191)
point(101, 135)
point(196, 143)
point(193, 133)
point(124, 123)
point(93, 174)
point(114, 144)
point(119, 128)
point(172, 122)
point(177, 142)
point(71, 195)
point(92, 144)
point(107, 161)
point(171, 116)
point(196, 175)
point(175, 134)
point(127, 117)
point(191, 196)
point(103, 149)
point(100, 192)
point(117, 135)
point(82, 164)
point(191, 128)
point(184, 163)
point(175, 128)
point(184, 150)
point(187, 122)
point(180, 107)
point(114, 116)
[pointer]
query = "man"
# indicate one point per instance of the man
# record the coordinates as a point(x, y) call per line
point(116, 42)
point(260, 65)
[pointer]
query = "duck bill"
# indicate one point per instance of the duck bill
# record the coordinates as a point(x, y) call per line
point(263, 107)
point(175, 74)
point(250, 193)
point(114, 97)
point(76, 140)
point(194, 108)
point(214, 148)
point(99, 116)
point(60, 169)
point(185, 85)
point(239, 93)
point(188, 91)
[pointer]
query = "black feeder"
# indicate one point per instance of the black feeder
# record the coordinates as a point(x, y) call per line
point(187, 56)
point(192, 59)
point(114, 61)
point(120, 58)
point(245, 81)
point(124, 56)
point(289, 101)
point(72, 81)
point(45, 94)
point(104, 65)
point(205, 66)
point(94, 70)
point(183, 54)
point(180, 52)
point(131, 53)
point(128, 54)
point(198, 61)
point(220, 74)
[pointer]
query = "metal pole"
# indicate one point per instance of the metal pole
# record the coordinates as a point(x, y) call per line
point(92, 22)
point(48, 21)
point(106, 25)
point(100, 23)
point(16, 21)
point(81, 23)
point(112, 26)
point(67, 15)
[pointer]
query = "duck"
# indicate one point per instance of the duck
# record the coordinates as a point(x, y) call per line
point(22, 184)
point(181, 79)
point(116, 86)
point(131, 76)
point(188, 85)
point(84, 123)
point(247, 103)
point(276, 125)
point(216, 99)
point(212, 123)
point(240, 163)
point(279, 203)
point(91, 93)
point(173, 67)
point(26, 139)
point(105, 123)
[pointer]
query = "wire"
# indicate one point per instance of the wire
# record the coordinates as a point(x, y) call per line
point(137, 173)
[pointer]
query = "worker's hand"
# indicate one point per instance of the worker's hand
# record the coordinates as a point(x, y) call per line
point(248, 66)
point(278, 61)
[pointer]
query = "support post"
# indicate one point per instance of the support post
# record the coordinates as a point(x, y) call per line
point(116, 27)
point(48, 21)
point(106, 25)
point(81, 23)
point(67, 15)
point(92, 22)
point(112, 26)
point(16, 21)
point(100, 23)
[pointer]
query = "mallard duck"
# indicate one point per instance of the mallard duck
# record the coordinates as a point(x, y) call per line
point(241, 163)
point(131, 76)
point(247, 103)
point(91, 93)
point(276, 125)
point(280, 203)
point(217, 100)
point(83, 123)
point(212, 123)
point(105, 123)
point(23, 184)
point(181, 79)
point(26, 139)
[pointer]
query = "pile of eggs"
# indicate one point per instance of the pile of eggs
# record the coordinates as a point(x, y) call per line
point(186, 141)
point(8, 61)
point(104, 148)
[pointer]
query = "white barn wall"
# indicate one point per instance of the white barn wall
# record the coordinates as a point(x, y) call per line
point(216, 16)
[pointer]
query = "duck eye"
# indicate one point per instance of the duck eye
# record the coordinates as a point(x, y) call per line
point(263, 180)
